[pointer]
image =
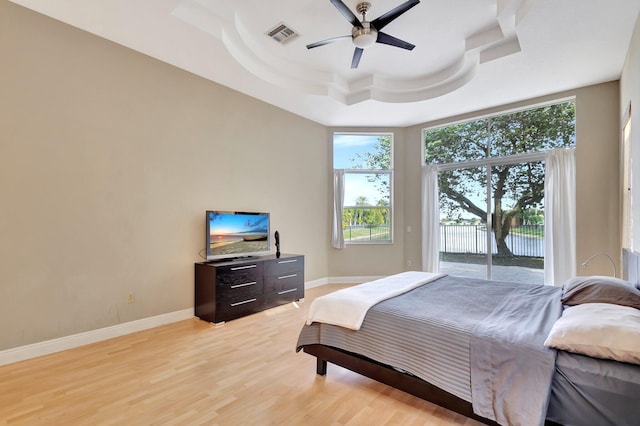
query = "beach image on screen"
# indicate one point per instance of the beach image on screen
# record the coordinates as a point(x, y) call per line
point(238, 233)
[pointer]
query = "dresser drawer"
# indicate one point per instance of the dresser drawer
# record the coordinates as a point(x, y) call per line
point(234, 275)
point(292, 279)
point(243, 291)
point(285, 266)
point(228, 310)
point(284, 296)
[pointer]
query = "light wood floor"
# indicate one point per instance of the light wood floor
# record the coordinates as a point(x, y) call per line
point(245, 372)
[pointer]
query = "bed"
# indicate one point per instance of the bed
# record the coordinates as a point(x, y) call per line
point(485, 349)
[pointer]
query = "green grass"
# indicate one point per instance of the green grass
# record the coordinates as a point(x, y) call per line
point(367, 234)
point(537, 232)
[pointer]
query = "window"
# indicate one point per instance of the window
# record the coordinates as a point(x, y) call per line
point(491, 188)
point(368, 185)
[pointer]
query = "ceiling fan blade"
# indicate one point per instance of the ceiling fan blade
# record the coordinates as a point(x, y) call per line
point(357, 54)
point(385, 38)
point(327, 41)
point(347, 13)
point(382, 21)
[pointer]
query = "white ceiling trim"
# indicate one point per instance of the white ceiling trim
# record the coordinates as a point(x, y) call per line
point(470, 54)
point(498, 40)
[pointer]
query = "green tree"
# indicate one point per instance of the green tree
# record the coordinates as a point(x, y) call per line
point(378, 159)
point(359, 213)
point(373, 218)
point(383, 202)
point(523, 184)
point(347, 218)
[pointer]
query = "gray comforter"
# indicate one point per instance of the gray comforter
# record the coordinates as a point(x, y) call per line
point(463, 335)
point(511, 370)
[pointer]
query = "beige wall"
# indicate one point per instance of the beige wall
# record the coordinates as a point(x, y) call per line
point(630, 95)
point(597, 171)
point(598, 177)
point(108, 161)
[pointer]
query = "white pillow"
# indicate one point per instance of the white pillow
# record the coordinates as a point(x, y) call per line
point(600, 330)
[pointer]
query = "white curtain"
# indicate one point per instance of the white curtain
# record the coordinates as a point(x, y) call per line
point(337, 235)
point(560, 216)
point(430, 219)
point(627, 199)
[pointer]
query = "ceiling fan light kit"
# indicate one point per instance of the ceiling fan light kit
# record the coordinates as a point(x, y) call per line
point(365, 36)
point(366, 33)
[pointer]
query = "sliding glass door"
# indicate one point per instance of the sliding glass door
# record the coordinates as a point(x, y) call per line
point(491, 176)
point(508, 243)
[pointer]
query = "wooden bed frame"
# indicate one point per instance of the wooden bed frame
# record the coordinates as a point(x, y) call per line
point(392, 377)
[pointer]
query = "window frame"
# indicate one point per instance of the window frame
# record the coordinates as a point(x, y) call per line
point(389, 172)
point(495, 160)
point(489, 161)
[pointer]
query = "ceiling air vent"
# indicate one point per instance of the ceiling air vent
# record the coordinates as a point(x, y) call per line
point(282, 33)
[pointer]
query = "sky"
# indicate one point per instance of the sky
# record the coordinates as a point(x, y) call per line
point(237, 223)
point(345, 148)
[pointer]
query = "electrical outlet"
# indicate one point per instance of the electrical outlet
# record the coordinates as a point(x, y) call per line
point(131, 298)
point(409, 262)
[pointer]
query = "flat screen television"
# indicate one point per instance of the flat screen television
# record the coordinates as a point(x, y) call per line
point(237, 234)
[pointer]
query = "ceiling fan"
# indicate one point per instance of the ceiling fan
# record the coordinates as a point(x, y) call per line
point(365, 33)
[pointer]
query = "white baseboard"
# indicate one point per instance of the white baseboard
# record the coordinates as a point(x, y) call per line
point(73, 341)
point(22, 353)
point(350, 280)
point(316, 283)
point(339, 280)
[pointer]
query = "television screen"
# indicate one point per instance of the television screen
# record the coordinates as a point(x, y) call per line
point(237, 234)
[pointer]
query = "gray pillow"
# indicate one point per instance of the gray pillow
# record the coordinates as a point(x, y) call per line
point(600, 289)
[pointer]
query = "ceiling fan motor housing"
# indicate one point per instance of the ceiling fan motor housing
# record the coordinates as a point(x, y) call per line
point(365, 36)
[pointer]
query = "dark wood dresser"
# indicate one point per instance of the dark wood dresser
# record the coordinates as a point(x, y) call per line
point(232, 289)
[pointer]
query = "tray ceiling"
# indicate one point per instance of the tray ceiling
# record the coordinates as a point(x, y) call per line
point(469, 54)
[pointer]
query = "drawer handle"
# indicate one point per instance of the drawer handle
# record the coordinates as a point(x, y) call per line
point(243, 302)
point(244, 285)
point(238, 268)
point(287, 291)
point(287, 261)
point(287, 276)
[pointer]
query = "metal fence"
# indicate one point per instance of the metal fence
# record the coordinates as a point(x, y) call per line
point(526, 240)
point(367, 233)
